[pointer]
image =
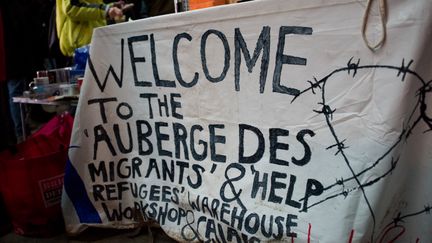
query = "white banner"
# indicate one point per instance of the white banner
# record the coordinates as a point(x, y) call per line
point(269, 120)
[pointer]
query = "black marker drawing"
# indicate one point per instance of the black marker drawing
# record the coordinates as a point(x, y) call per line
point(340, 144)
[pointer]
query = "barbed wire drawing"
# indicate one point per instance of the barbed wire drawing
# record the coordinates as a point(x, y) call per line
point(417, 115)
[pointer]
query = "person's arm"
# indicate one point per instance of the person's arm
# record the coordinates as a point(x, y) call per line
point(81, 11)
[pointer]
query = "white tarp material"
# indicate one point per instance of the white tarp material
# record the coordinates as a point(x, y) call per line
point(269, 120)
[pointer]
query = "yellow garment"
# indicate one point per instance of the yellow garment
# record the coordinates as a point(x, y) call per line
point(75, 21)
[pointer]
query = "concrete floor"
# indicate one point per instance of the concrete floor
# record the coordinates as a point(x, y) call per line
point(156, 235)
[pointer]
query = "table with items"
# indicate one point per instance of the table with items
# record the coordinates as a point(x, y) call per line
point(57, 87)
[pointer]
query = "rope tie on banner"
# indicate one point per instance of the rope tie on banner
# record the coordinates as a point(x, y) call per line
point(383, 17)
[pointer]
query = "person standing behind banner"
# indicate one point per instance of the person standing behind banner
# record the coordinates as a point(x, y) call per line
point(76, 19)
point(6, 133)
point(24, 26)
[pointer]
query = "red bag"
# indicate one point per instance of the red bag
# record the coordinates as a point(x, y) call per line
point(32, 179)
point(59, 127)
